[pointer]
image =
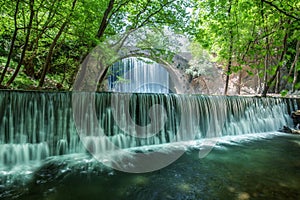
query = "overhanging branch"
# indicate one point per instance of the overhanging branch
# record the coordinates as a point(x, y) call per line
point(281, 10)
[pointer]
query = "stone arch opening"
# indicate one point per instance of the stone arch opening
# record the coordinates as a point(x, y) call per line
point(144, 74)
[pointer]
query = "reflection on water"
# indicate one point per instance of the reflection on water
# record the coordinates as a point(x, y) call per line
point(266, 167)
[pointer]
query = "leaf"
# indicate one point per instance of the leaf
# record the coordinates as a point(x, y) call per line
point(297, 85)
point(250, 73)
point(283, 93)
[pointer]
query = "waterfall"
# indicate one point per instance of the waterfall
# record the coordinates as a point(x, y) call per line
point(36, 125)
point(138, 75)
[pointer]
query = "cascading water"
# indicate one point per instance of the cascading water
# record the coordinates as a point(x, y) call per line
point(138, 75)
point(40, 132)
point(36, 125)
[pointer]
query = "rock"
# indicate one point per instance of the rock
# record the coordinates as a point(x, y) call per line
point(295, 131)
point(296, 117)
point(286, 129)
point(296, 113)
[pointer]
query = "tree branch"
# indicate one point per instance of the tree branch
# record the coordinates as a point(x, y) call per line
point(53, 44)
point(12, 43)
point(142, 11)
point(105, 19)
point(281, 10)
point(25, 45)
point(284, 50)
point(154, 13)
point(118, 8)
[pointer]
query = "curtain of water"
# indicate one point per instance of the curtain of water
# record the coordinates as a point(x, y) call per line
point(136, 75)
point(35, 125)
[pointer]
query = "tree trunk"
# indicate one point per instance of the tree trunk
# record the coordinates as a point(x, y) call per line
point(266, 65)
point(25, 45)
point(228, 72)
point(258, 86)
point(105, 19)
point(33, 45)
point(294, 65)
point(270, 81)
point(277, 85)
point(267, 56)
point(53, 44)
point(12, 44)
point(239, 86)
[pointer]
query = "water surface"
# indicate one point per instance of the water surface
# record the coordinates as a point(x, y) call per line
point(255, 166)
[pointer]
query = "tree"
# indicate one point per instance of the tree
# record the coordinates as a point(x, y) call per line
point(230, 52)
point(13, 40)
point(53, 44)
point(31, 3)
point(254, 34)
point(57, 34)
point(146, 15)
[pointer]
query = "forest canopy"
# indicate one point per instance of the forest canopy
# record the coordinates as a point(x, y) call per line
point(44, 42)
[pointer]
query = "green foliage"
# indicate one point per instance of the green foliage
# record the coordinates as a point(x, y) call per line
point(126, 17)
point(120, 79)
point(283, 93)
point(250, 33)
point(200, 63)
point(297, 86)
point(236, 69)
point(255, 30)
point(250, 73)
